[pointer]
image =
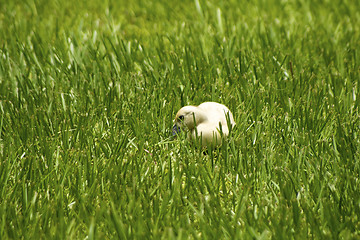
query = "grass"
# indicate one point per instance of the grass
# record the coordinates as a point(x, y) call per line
point(88, 91)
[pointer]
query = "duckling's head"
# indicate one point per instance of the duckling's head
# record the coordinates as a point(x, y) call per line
point(188, 118)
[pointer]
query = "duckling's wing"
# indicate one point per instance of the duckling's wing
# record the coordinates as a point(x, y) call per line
point(209, 133)
point(216, 113)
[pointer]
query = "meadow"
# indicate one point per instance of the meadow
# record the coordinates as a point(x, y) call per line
point(89, 90)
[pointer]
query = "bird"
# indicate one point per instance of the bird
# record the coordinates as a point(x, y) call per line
point(208, 122)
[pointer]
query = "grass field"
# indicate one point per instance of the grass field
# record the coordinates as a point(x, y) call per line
point(89, 89)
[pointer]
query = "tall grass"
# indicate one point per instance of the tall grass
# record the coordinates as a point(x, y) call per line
point(88, 91)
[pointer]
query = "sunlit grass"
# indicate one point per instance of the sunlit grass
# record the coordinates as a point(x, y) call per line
point(88, 92)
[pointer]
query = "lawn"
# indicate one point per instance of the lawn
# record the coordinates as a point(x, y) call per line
point(89, 90)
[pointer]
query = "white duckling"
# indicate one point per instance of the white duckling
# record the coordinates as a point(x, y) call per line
point(208, 121)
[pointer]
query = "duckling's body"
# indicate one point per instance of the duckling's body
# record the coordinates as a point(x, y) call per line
point(208, 121)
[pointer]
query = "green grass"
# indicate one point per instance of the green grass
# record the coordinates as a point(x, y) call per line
point(88, 91)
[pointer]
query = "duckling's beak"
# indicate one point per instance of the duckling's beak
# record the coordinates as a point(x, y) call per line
point(175, 130)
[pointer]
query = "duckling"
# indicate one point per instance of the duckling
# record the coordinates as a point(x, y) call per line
point(208, 122)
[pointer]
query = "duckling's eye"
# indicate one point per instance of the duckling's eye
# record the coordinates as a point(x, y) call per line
point(181, 117)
